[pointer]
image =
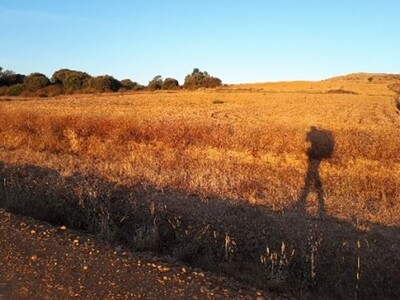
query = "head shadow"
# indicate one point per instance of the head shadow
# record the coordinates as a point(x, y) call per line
point(322, 144)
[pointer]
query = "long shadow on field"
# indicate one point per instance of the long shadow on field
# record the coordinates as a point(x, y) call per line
point(322, 146)
point(281, 251)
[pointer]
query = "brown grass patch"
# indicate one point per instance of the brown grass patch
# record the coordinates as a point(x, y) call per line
point(252, 149)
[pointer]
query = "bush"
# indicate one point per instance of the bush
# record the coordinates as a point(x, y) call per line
point(170, 84)
point(11, 79)
point(156, 83)
point(50, 91)
point(200, 79)
point(36, 81)
point(104, 83)
point(128, 84)
point(71, 80)
point(16, 89)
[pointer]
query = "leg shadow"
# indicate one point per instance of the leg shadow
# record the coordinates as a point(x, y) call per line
point(322, 147)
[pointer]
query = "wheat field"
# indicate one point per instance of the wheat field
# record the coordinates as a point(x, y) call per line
point(286, 186)
point(243, 142)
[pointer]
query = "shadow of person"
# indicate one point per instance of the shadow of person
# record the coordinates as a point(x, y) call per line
point(322, 146)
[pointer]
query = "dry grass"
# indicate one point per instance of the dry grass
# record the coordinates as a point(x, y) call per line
point(250, 147)
point(249, 144)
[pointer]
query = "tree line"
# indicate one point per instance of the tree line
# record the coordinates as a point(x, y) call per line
point(66, 81)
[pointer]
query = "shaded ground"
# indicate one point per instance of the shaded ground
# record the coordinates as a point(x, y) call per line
point(277, 251)
point(39, 261)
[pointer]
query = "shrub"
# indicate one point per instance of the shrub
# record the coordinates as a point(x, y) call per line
point(36, 81)
point(156, 83)
point(128, 84)
point(104, 83)
point(11, 79)
point(16, 89)
point(71, 80)
point(170, 84)
point(50, 91)
point(138, 87)
point(200, 79)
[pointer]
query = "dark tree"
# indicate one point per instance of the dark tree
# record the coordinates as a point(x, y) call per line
point(104, 83)
point(156, 83)
point(200, 79)
point(71, 80)
point(170, 84)
point(9, 78)
point(36, 81)
point(128, 84)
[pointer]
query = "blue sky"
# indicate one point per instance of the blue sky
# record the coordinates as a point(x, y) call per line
point(237, 41)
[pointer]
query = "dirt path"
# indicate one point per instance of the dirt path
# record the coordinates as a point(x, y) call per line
point(39, 261)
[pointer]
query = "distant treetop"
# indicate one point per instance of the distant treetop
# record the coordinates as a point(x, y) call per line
point(66, 81)
point(199, 79)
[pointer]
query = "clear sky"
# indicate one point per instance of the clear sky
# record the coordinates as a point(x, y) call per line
point(235, 40)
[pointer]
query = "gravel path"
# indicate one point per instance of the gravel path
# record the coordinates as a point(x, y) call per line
point(40, 261)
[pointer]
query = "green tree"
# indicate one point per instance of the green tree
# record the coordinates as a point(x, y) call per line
point(198, 79)
point(156, 83)
point(170, 84)
point(128, 84)
point(9, 78)
point(71, 80)
point(104, 83)
point(36, 81)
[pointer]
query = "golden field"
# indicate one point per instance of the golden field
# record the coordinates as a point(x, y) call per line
point(242, 141)
point(287, 185)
